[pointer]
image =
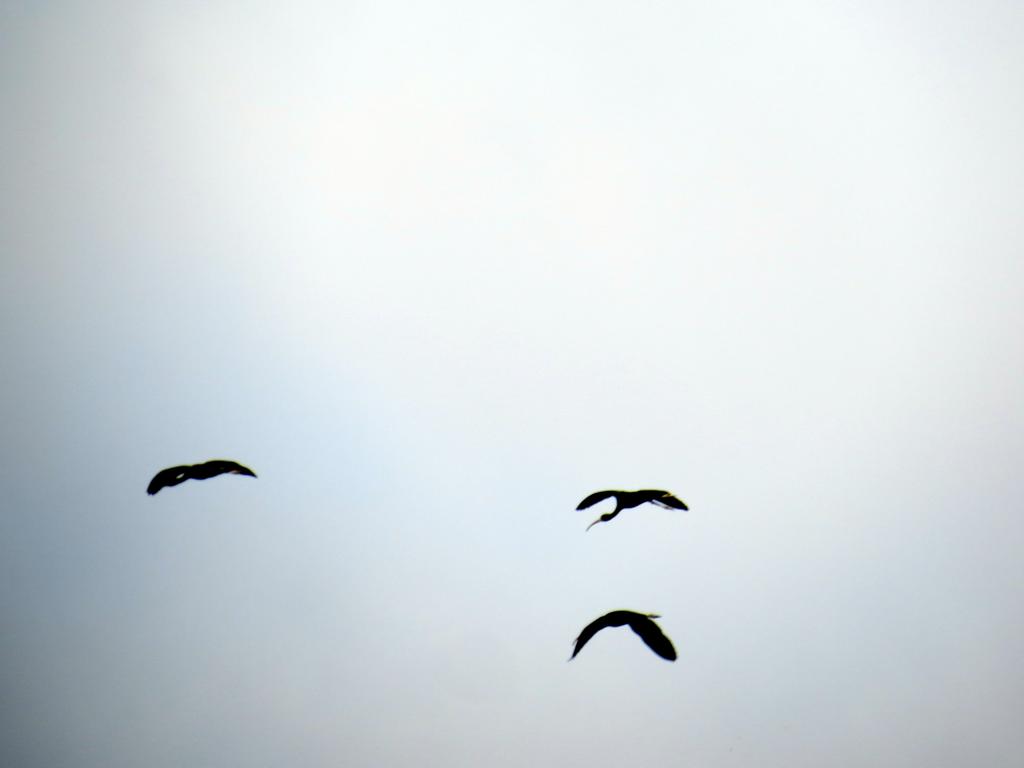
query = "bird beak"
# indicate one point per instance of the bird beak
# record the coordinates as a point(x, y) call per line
point(594, 523)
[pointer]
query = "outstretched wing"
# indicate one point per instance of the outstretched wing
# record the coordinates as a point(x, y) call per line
point(651, 634)
point(216, 467)
point(668, 501)
point(593, 498)
point(167, 477)
point(588, 632)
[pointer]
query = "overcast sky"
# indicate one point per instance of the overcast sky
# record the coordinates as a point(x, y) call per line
point(436, 271)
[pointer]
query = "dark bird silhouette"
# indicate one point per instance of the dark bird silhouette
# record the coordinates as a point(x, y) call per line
point(176, 475)
point(641, 623)
point(628, 499)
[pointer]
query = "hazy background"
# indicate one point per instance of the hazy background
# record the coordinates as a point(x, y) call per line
point(436, 271)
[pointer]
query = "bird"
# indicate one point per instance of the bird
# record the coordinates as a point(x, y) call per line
point(641, 623)
point(628, 499)
point(176, 475)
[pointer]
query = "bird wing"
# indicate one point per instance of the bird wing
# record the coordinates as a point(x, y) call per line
point(588, 632)
point(593, 498)
point(669, 501)
point(651, 634)
point(167, 477)
point(216, 467)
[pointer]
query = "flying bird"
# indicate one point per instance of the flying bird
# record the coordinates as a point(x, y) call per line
point(641, 623)
point(176, 475)
point(628, 499)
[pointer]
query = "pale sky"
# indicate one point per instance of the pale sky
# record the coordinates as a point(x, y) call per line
point(436, 271)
